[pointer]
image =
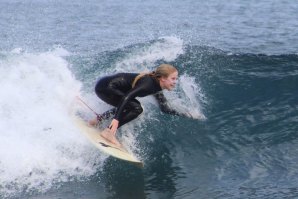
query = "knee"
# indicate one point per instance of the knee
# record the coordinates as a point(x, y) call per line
point(98, 90)
point(138, 109)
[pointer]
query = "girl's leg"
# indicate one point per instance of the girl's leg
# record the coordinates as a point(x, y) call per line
point(131, 111)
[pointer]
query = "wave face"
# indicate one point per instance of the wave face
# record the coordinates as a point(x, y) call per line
point(246, 146)
point(243, 144)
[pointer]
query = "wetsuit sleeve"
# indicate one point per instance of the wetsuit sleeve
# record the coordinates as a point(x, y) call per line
point(126, 98)
point(164, 107)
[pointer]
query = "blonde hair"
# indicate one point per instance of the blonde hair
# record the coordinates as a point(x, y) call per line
point(163, 70)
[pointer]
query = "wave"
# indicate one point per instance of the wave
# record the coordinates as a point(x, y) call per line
point(244, 105)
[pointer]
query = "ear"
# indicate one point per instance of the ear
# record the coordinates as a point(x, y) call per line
point(163, 79)
point(162, 82)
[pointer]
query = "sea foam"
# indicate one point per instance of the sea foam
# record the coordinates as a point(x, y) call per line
point(40, 144)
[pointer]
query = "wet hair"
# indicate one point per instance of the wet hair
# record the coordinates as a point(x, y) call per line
point(163, 70)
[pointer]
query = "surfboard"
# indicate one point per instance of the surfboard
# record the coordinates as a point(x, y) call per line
point(103, 145)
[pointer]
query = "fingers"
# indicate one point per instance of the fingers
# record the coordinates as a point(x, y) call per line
point(113, 129)
point(114, 126)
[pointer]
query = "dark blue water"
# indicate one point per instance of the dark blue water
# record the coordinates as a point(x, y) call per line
point(238, 67)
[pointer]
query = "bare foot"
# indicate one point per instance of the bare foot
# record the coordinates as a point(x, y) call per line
point(109, 136)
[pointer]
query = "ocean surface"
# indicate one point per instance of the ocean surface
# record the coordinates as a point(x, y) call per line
point(238, 78)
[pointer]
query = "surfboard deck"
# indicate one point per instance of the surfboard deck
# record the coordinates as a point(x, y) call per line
point(104, 145)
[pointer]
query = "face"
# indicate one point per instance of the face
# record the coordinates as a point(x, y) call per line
point(169, 82)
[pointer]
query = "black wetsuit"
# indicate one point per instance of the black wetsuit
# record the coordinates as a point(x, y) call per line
point(117, 91)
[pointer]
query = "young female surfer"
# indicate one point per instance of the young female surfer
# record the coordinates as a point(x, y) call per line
point(120, 90)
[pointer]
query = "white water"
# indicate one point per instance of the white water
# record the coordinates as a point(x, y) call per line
point(142, 59)
point(40, 145)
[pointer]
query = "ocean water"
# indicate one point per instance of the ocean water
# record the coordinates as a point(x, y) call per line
point(238, 73)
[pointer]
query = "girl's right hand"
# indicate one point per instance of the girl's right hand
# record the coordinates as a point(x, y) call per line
point(114, 126)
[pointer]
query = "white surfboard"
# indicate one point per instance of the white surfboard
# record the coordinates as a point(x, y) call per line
point(102, 144)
